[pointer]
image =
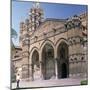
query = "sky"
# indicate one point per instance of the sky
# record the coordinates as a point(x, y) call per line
point(20, 10)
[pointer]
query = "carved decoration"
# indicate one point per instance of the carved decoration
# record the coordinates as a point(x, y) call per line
point(73, 22)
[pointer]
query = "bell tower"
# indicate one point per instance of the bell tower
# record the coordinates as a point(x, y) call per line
point(28, 27)
point(35, 16)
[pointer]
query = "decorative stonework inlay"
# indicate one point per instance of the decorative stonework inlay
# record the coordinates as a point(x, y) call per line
point(74, 40)
point(76, 58)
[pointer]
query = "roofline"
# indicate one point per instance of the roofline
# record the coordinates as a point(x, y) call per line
point(55, 19)
point(51, 19)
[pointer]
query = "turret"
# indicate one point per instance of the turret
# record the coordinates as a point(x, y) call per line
point(21, 33)
point(36, 16)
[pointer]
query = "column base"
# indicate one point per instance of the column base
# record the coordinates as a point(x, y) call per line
point(56, 77)
point(31, 79)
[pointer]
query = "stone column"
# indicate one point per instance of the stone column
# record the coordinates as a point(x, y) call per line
point(41, 74)
point(56, 68)
point(31, 72)
point(41, 64)
point(70, 69)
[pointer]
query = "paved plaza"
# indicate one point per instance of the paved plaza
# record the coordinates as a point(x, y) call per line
point(48, 83)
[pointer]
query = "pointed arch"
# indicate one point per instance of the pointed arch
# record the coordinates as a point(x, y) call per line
point(47, 55)
point(59, 41)
point(35, 64)
point(46, 42)
point(31, 53)
point(63, 61)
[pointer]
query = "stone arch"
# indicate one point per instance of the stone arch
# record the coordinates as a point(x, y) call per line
point(35, 55)
point(34, 48)
point(47, 54)
point(59, 41)
point(45, 42)
point(35, 64)
point(63, 60)
point(31, 52)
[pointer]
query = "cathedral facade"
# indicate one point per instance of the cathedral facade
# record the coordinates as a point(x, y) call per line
point(51, 48)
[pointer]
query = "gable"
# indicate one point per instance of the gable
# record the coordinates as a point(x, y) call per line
point(47, 26)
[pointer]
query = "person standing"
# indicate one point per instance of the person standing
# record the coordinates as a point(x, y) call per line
point(18, 80)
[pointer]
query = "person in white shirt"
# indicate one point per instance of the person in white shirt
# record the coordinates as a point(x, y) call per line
point(18, 80)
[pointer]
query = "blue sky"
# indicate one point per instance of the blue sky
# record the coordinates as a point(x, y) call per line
point(21, 9)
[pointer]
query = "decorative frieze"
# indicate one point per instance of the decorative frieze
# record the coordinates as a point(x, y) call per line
point(73, 22)
point(74, 40)
point(75, 58)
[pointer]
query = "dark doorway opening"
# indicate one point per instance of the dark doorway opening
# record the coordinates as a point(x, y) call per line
point(63, 71)
point(63, 64)
point(48, 60)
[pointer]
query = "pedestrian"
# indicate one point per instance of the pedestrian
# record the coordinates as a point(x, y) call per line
point(18, 80)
